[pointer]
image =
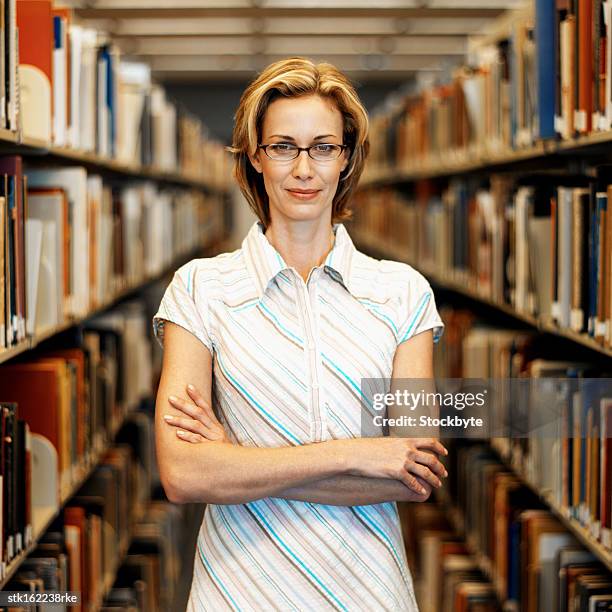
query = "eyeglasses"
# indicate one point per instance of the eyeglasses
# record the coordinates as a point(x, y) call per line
point(282, 151)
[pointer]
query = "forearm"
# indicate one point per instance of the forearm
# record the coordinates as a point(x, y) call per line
point(221, 473)
point(347, 490)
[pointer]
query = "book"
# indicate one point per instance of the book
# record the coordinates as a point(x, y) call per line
point(539, 243)
point(34, 19)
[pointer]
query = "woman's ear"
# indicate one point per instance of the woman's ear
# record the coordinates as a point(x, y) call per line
point(345, 161)
point(254, 159)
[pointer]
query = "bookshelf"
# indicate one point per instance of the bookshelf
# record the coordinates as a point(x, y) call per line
point(34, 341)
point(35, 150)
point(457, 520)
point(392, 251)
point(87, 470)
point(448, 166)
point(109, 187)
point(581, 533)
point(82, 472)
point(547, 152)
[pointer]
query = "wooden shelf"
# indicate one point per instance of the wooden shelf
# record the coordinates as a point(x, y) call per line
point(123, 547)
point(87, 468)
point(13, 143)
point(458, 162)
point(577, 529)
point(388, 250)
point(30, 343)
point(483, 562)
point(581, 533)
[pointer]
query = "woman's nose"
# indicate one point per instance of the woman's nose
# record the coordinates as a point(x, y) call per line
point(302, 166)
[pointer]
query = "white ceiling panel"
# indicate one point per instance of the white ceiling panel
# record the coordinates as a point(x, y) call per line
point(382, 38)
point(290, 45)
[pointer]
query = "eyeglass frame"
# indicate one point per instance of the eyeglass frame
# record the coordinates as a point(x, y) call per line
point(307, 149)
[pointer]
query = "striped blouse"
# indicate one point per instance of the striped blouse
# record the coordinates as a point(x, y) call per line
point(288, 360)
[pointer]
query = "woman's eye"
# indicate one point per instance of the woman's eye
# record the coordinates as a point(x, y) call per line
point(282, 147)
point(324, 148)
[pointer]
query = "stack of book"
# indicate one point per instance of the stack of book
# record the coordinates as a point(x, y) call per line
point(541, 244)
point(497, 545)
point(70, 241)
point(446, 574)
point(551, 420)
point(543, 74)
point(87, 386)
point(77, 477)
point(75, 91)
point(110, 542)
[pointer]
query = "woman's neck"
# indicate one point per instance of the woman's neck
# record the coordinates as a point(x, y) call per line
point(302, 246)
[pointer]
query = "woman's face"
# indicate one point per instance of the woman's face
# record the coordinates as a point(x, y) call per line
point(301, 189)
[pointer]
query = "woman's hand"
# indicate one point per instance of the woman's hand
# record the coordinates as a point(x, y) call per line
point(200, 423)
point(409, 460)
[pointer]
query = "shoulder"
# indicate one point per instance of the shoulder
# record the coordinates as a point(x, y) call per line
point(215, 277)
point(387, 278)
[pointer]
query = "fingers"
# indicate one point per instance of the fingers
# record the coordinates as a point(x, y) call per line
point(431, 444)
point(199, 401)
point(187, 407)
point(412, 483)
point(431, 462)
point(424, 472)
point(195, 427)
point(188, 436)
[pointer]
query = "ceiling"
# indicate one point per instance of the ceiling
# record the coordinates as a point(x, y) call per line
point(199, 40)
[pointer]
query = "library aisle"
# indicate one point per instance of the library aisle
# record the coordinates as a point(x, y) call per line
point(135, 190)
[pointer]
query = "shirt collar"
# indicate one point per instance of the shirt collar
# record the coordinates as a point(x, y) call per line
point(264, 262)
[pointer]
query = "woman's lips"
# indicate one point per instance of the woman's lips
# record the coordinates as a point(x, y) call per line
point(303, 195)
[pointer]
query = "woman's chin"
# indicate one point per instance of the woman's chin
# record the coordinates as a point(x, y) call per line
point(304, 211)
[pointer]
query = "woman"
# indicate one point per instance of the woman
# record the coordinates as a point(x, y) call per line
point(278, 336)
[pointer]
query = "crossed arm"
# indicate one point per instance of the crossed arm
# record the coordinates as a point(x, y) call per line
point(207, 467)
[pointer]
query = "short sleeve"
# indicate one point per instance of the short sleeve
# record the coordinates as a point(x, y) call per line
point(418, 310)
point(179, 305)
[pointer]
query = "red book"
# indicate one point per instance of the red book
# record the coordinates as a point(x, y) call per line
point(35, 23)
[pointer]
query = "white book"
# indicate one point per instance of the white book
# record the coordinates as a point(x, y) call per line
point(49, 304)
point(33, 242)
point(74, 182)
point(48, 311)
point(74, 131)
point(134, 83)
point(131, 204)
point(564, 255)
point(59, 87)
point(523, 205)
point(541, 265)
point(131, 103)
point(87, 95)
point(548, 579)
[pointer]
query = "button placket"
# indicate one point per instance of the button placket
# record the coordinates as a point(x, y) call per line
point(303, 293)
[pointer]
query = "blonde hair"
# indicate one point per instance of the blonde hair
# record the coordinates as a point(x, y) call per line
point(292, 78)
